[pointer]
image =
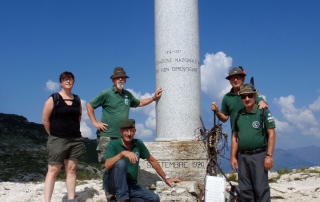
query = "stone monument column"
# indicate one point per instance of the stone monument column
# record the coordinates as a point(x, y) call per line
point(178, 110)
point(177, 69)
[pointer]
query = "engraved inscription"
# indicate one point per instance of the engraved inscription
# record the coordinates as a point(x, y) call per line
point(172, 51)
point(179, 164)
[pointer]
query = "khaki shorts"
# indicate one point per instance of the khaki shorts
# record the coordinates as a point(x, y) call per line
point(60, 149)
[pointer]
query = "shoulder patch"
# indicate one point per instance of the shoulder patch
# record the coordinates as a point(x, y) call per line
point(270, 119)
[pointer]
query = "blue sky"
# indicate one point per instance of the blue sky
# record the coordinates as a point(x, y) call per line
point(277, 42)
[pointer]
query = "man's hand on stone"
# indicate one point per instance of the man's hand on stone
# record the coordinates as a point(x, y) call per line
point(170, 181)
point(158, 93)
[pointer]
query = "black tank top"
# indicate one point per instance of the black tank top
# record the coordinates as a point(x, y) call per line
point(65, 123)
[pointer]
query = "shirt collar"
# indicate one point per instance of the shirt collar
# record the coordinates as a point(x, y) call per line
point(231, 92)
point(254, 110)
point(133, 143)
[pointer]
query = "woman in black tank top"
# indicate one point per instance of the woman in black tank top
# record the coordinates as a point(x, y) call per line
point(61, 118)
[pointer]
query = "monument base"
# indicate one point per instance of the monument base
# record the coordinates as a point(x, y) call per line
point(186, 160)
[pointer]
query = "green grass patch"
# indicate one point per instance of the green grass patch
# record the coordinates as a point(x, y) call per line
point(283, 171)
point(233, 177)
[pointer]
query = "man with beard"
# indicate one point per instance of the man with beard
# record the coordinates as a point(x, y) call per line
point(252, 146)
point(115, 103)
point(231, 102)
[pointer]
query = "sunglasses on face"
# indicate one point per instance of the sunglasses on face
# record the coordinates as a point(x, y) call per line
point(248, 95)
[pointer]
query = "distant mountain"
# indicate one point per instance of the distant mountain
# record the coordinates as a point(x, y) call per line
point(290, 159)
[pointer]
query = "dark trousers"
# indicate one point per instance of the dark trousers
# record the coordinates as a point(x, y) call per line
point(116, 183)
point(253, 178)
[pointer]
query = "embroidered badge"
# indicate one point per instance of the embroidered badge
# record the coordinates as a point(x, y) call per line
point(126, 100)
point(271, 119)
point(255, 124)
point(137, 154)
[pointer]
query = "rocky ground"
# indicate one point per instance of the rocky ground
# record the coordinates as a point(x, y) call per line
point(292, 186)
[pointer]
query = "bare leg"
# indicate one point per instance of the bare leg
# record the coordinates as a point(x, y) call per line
point(53, 171)
point(71, 168)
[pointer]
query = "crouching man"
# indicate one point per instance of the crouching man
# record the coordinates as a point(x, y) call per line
point(122, 163)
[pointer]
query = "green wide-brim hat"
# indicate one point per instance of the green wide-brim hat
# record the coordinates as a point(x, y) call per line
point(236, 70)
point(247, 88)
point(118, 72)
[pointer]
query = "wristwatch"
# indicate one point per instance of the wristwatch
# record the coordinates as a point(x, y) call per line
point(167, 177)
point(269, 155)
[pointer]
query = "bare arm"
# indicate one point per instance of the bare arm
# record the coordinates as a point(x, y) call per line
point(156, 166)
point(268, 161)
point(156, 96)
point(46, 113)
point(220, 115)
point(234, 150)
point(111, 161)
point(100, 126)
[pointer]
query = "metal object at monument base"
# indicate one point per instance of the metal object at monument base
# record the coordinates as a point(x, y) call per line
point(216, 142)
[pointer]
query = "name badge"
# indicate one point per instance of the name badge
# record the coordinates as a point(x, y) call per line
point(126, 100)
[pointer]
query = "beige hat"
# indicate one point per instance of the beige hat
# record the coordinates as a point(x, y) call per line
point(246, 88)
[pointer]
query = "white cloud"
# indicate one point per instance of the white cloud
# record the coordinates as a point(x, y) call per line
point(142, 132)
point(315, 106)
point(282, 126)
point(52, 86)
point(85, 121)
point(300, 120)
point(86, 130)
point(148, 110)
point(213, 73)
point(151, 121)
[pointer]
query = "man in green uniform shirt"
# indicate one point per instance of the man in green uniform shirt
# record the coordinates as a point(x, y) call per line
point(231, 102)
point(122, 162)
point(115, 103)
point(252, 148)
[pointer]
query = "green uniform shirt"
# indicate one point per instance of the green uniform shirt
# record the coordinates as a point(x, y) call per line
point(116, 146)
point(250, 135)
point(231, 104)
point(115, 109)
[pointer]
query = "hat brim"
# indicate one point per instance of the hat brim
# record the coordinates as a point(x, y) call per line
point(228, 77)
point(247, 91)
point(118, 76)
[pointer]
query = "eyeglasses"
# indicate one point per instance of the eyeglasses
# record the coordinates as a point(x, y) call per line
point(248, 95)
point(68, 79)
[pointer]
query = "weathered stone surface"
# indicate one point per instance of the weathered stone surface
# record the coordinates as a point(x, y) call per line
point(182, 191)
point(282, 190)
point(186, 161)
